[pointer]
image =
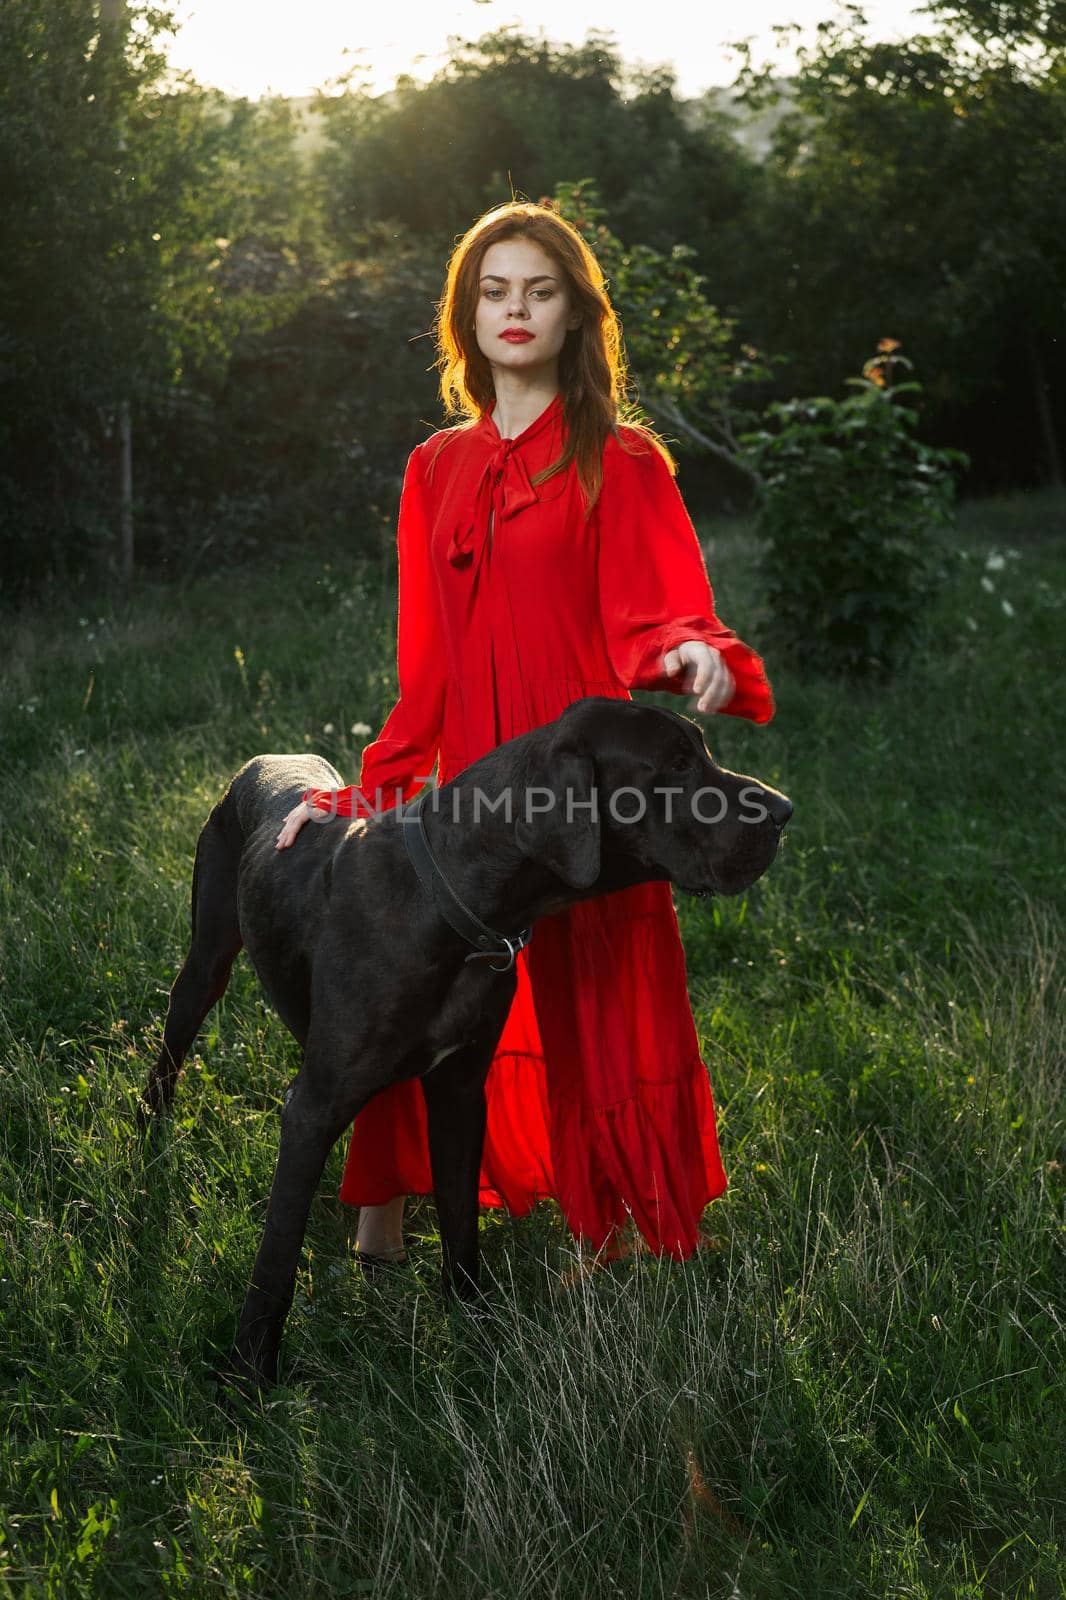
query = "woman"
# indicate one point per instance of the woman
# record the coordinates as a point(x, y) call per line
point(544, 555)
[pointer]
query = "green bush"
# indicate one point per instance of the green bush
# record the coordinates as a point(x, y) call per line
point(849, 506)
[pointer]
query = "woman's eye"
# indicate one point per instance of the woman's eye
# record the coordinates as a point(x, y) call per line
point(538, 294)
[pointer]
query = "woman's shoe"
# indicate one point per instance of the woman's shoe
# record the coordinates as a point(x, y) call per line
point(373, 1265)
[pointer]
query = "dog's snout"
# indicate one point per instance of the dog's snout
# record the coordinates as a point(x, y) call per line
point(779, 807)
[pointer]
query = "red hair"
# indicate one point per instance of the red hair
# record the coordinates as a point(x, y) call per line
point(592, 370)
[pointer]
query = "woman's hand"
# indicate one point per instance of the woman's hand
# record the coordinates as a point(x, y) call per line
point(705, 673)
point(292, 825)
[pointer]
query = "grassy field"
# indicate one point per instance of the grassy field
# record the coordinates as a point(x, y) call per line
point(855, 1389)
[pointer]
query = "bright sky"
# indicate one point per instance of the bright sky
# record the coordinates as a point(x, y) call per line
point(248, 47)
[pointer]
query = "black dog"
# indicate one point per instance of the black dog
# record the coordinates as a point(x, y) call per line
point(388, 945)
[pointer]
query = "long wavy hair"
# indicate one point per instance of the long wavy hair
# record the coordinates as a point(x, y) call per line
point(592, 371)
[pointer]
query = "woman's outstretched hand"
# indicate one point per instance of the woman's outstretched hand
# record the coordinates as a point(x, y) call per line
point(705, 673)
point(291, 826)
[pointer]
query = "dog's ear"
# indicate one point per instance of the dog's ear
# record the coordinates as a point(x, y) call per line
point(566, 837)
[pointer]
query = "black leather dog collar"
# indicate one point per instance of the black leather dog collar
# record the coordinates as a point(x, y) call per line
point(490, 944)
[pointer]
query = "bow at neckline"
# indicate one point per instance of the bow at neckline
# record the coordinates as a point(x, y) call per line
point(502, 490)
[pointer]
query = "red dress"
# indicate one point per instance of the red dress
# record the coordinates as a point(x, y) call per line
point(511, 607)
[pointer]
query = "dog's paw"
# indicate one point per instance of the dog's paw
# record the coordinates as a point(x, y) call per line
point(240, 1381)
point(473, 1318)
point(154, 1101)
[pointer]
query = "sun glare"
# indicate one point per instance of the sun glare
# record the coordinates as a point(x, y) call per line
point(254, 47)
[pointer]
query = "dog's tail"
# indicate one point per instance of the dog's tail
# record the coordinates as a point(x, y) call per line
point(216, 939)
point(218, 849)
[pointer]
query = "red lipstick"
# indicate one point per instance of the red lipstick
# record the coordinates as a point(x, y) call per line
point(516, 336)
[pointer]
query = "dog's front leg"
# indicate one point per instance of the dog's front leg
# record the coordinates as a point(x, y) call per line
point(311, 1123)
point(455, 1112)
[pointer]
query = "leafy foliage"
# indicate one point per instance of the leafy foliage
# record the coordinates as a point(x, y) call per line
point(326, 403)
point(140, 235)
point(511, 113)
point(686, 361)
point(250, 284)
point(77, 263)
point(1005, 23)
point(849, 505)
point(923, 180)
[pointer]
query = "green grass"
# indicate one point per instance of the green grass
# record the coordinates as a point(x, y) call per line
point(854, 1390)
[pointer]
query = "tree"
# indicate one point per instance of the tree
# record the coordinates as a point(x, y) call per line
point(75, 261)
point(511, 113)
point(1004, 24)
point(146, 223)
point(917, 190)
point(685, 362)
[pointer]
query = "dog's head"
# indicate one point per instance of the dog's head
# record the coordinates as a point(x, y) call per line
point(611, 777)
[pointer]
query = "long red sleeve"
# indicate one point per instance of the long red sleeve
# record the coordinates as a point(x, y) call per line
point(653, 584)
point(401, 758)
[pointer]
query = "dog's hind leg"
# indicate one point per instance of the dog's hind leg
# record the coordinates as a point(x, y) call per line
point(317, 1109)
point(216, 939)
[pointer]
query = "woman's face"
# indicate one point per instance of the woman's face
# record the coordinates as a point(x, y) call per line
point(524, 307)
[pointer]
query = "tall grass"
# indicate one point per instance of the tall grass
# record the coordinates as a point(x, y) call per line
point(853, 1389)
